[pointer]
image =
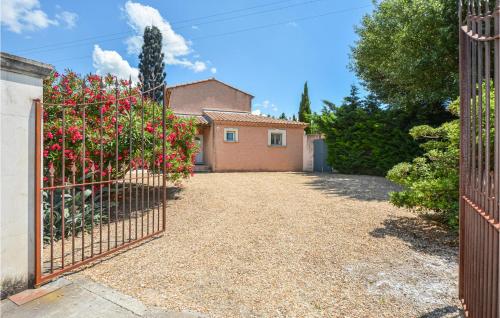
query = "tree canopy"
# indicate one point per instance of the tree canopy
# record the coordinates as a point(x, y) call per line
point(407, 55)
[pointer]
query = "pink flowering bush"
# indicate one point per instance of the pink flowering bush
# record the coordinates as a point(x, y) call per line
point(113, 111)
point(121, 132)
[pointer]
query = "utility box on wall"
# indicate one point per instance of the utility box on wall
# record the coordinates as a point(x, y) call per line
point(21, 82)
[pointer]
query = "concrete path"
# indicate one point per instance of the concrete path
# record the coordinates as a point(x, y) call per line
point(84, 298)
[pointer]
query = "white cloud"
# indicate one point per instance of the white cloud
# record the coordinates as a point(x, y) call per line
point(175, 47)
point(196, 66)
point(68, 18)
point(256, 112)
point(213, 70)
point(105, 62)
point(24, 15)
point(195, 27)
point(266, 106)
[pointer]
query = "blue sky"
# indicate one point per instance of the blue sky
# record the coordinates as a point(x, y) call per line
point(268, 48)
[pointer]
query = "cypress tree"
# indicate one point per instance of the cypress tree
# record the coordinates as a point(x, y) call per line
point(283, 116)
point(305, 107)
point(353, 101)
point(151, 65)
point(294, 118)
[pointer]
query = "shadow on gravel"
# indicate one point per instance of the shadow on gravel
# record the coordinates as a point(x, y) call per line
point(444, 312)
point(366, 188)
point(421, 235)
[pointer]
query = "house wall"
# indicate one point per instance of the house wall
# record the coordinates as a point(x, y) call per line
point(20, 84)
point(252, 153)
point(211, 94)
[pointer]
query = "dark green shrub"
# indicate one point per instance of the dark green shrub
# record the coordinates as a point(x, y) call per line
point(364, 138)
point(431, 182)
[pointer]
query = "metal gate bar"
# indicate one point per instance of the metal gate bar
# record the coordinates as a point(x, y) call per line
point(479, 285)
point(87, 212)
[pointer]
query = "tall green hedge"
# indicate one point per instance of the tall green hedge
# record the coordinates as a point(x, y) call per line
point(363, 137)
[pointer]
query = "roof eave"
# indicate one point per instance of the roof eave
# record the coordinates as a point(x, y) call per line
point(258, 124)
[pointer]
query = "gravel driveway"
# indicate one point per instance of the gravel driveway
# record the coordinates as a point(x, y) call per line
point(290, 244)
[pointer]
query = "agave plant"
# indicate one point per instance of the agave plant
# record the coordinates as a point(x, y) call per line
point(73, 209)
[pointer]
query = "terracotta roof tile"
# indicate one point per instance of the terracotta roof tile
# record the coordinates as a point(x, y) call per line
point(241, 117)
point(199, 119)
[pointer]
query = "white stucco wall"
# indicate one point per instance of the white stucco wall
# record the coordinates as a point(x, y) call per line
point(308, 152)
point(17, 155)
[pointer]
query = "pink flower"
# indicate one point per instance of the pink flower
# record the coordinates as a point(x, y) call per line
point(55, 147)
point(171, 137)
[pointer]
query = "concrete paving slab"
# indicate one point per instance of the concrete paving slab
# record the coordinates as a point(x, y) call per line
point(71, 301)
point(82, 298)
point(131, 304)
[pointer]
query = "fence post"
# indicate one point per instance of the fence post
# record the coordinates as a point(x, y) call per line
point(164, 162)
point(463, 101)
point(38, 192)
point(496, 208)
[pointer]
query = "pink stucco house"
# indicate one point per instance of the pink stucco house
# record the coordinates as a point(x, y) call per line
point(230, 137)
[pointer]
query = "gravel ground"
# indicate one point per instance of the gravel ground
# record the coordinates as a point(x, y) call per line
point(290, 244)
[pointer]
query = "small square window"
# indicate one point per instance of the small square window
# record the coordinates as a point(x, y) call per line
point(230, 134)
point(276, 139)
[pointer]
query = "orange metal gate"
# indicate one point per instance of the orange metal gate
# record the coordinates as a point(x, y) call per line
point(99, 185)
point(479, 288)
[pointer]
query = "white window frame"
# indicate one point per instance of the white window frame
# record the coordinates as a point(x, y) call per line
point(233, 130)
point(276, 131)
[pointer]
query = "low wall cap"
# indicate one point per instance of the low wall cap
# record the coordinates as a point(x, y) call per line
point(21, 65)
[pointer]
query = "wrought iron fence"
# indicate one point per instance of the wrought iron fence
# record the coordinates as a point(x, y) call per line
point(99, 186)
point(480, 158)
